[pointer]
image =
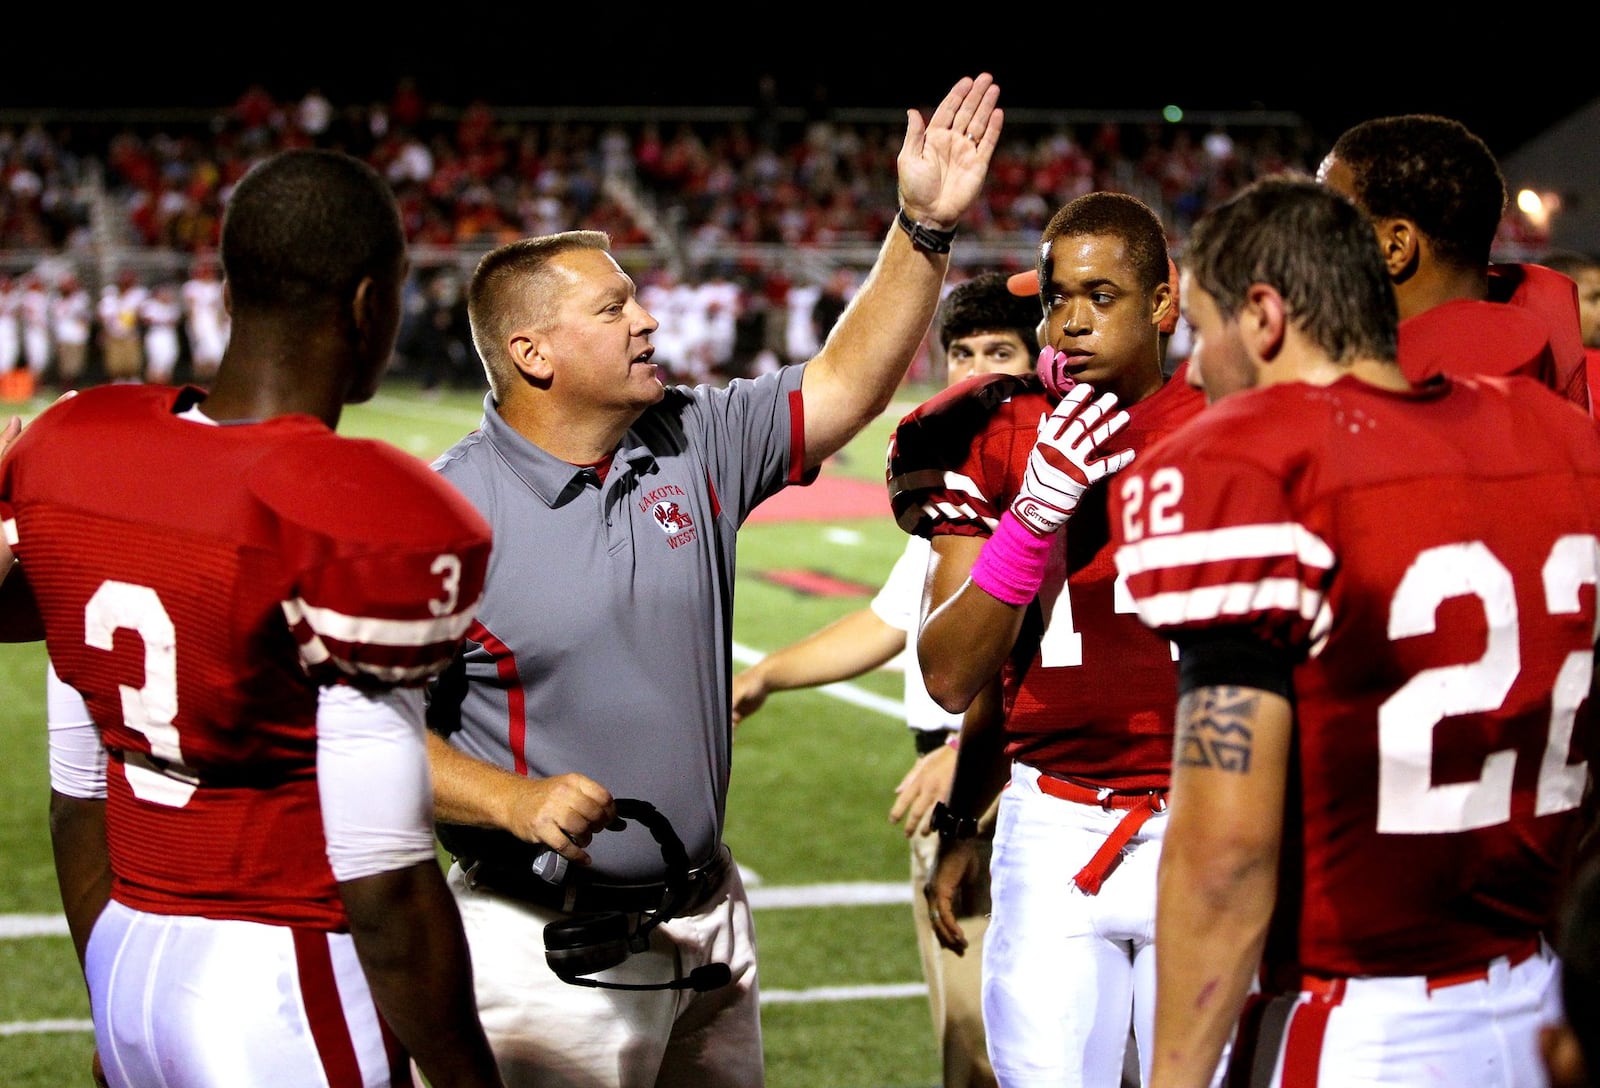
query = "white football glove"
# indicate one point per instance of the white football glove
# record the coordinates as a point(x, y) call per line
point(1063, 462)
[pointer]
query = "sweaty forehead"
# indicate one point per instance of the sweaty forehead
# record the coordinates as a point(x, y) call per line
point(1088, 260)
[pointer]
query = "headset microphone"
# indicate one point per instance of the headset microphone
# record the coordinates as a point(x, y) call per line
point(708, 976)
point(581, 946)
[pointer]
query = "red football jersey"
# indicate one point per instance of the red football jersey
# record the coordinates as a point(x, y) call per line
point(1553, 298)
point(198, 583)
point(1429, 560)
point(1096, 701)
point(1529, 325)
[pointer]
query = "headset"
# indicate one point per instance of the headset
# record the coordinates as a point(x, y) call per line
point(574, 947)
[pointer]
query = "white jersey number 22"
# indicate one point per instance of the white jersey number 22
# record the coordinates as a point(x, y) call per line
point(1408, 801)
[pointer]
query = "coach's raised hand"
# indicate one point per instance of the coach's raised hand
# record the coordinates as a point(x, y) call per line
point(943, 161)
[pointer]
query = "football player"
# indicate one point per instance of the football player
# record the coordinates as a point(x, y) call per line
point(240, 608)
point(984, 327)
point(1435, 196)
point(1380, 762)
point(1005, 474)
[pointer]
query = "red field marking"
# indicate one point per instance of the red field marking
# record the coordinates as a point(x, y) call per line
point(828, 498)
point(816, 583)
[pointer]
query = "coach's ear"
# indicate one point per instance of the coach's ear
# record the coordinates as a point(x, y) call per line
point(530, 352)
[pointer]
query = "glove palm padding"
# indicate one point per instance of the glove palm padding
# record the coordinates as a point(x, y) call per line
point(1063, 463)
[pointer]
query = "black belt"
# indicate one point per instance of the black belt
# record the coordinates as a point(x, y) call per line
point(581, 896)
point(930, 740)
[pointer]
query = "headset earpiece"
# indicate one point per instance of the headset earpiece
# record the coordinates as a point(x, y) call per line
point(582, 946)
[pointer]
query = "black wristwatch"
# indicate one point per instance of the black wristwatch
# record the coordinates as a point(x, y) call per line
point(923, 237)
point(950, 826)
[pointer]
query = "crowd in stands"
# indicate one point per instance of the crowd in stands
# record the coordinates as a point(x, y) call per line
point(757, 218)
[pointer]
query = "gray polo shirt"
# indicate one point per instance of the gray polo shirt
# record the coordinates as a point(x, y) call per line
point(603, 643)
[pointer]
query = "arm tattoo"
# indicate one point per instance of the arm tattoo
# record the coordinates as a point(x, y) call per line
point(1215, 728)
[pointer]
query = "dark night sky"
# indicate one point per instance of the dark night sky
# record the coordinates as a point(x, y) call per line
point(511, 56)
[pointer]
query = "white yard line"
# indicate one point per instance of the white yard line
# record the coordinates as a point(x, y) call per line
point(44, 1027)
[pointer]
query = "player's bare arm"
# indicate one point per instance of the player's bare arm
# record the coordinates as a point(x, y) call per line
point(981, 596)
point(19, 609)
point(981, 772)
point(848, 647)
point(942, 165)
point(1219, 872)
point(965, 633)
point(420, 974)
point(83, 865)
point(562, 812)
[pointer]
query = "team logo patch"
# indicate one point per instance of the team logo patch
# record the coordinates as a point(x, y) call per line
point(677, 524)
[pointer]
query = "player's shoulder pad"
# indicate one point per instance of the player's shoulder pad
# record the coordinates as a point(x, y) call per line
point(364, 489)
point(938, 435)
point(90, 409)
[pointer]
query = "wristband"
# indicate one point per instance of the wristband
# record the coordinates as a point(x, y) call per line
point(1010, 568)
point(949, 825)
point(925, 238)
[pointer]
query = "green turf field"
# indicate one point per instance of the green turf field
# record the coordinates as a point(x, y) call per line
point(813, 778)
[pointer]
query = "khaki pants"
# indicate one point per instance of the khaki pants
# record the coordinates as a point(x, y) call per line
point(954, 982)
point(124, 358)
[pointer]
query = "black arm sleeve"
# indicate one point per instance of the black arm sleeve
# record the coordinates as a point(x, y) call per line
point(1233, 658)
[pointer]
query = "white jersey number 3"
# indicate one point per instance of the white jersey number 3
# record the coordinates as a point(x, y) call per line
point(152, 709)
point(1408, 801)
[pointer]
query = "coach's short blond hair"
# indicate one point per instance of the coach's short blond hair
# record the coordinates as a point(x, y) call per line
point(514, 286)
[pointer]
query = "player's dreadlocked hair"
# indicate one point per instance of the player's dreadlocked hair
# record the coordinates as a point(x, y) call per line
point(984, 304)
point(1119, 215)
point(305, 226)
point(1312, 246)
point(1433, 171)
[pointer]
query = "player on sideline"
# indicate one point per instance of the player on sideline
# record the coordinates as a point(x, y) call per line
point(1435, 196)
point(984, 328)
point(1383, 676)
point(249, 605)
point(998, 472)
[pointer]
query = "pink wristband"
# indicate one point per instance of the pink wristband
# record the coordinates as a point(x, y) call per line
point(1010, 568)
